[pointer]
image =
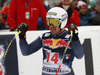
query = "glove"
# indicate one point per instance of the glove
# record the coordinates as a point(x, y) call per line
point(73, 28)
point(23, 27)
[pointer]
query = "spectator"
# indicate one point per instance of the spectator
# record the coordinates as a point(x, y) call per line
point(84, 13)
point(96, 20)
point(92, 9)
point(74, 4)
point(4, 12)
point(73, 16)
point(2, 21)
point(46, 5)
point(26, 11)
point(40, 24)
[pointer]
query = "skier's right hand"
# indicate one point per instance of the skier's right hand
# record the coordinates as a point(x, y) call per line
point(23, 27)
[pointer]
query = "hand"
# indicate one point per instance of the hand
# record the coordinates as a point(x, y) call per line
point(73, 28)
point(23, 27)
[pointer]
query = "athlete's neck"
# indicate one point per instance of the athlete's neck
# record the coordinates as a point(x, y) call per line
point(60, 31)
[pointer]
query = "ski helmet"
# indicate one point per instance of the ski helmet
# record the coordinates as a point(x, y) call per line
point(58, 13)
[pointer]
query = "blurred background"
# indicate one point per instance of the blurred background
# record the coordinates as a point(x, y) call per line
point(51, 3)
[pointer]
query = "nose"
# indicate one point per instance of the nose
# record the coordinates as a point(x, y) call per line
point(51, 25)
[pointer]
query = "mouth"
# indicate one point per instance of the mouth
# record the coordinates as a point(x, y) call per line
point(52, 29)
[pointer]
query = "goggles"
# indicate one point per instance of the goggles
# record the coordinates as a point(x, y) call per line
point(55, 22)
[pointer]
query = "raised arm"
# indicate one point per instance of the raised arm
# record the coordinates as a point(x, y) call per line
point(26, 48)
point(75, 44)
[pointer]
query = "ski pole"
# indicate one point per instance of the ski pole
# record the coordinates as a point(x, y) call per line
point(65, 52)
point(8, 49)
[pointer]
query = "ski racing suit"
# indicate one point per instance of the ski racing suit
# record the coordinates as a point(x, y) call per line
point(53, 49)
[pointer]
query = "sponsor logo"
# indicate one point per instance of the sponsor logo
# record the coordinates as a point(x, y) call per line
point(53, 70)
point(34, 8)
point(54, 43)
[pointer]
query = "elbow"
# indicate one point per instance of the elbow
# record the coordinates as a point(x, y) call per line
point(24, 53)
point(79, 56)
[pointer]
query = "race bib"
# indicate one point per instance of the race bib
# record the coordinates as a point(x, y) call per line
point(51, 64)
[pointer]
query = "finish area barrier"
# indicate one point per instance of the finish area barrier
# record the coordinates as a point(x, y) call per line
point(17, 64)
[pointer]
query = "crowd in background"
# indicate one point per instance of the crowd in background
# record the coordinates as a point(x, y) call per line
point(34, 13)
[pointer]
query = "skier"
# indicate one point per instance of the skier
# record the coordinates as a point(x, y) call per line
point(54, 43)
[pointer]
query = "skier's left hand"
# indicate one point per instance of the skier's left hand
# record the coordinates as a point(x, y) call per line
point(73, 28)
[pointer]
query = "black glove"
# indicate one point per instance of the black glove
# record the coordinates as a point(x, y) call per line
point(73, 28)
point(23, 27)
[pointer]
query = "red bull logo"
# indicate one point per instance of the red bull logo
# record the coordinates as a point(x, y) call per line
point(54, 43)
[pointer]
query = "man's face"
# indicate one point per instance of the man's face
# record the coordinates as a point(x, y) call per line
point(75, 3)
point(97, 8)
point(54, 29)
point(66, 2)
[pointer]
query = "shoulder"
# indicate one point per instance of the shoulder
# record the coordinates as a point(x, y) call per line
point(75, 11)
point(37, 2)
point(91, 15)
point(65, 35)
point(45, 35)
point(13, 1)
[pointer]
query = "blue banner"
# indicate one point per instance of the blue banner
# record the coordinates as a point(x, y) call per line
point(10, 66)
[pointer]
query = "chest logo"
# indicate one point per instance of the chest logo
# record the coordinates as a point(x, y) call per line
point(54, 43)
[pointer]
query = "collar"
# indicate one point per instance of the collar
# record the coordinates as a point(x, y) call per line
point(60, 35)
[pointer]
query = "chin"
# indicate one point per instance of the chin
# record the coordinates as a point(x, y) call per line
point(52, 33)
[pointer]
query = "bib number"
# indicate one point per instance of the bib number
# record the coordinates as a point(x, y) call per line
point(52, 57)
